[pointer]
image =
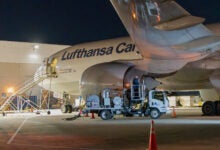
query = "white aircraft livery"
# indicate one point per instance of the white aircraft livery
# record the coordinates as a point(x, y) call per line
point(168, 48)
point(82, 53)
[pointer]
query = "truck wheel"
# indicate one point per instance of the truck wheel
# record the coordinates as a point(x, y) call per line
point(154, 113)
point(69, 108)
point(64, 109)
point(208, 108)
point(106, 115)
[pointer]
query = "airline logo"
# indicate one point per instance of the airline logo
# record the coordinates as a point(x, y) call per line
point(84, 53)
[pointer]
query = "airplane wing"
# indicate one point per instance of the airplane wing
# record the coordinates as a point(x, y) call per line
point(24, 52)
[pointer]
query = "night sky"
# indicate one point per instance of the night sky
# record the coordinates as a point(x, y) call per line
point(74, 21)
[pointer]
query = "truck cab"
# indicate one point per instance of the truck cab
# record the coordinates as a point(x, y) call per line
point(158, 104)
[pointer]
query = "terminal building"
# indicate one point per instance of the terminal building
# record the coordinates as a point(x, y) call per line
point(18, 64)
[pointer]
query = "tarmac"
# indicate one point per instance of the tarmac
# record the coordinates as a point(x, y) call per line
point(188, 131)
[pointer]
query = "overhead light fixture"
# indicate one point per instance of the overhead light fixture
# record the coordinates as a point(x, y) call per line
point(10, 90)
point(34, 54)
point(36, 46)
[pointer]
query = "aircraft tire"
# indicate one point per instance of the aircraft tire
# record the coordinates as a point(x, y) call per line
point(154, 113)
point(64, 109)
point(208, 108)
point(106, 115)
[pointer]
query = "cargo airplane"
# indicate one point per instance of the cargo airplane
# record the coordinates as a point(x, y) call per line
point(168, 48)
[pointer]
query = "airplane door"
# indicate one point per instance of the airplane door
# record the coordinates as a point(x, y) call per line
point(51, 66)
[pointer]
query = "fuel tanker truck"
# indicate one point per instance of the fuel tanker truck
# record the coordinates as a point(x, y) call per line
point(135, 101)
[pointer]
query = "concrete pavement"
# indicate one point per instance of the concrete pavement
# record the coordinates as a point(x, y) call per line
point(185, 132)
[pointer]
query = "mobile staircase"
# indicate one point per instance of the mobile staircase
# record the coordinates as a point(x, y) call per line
point(23, 88)
point(17, 95)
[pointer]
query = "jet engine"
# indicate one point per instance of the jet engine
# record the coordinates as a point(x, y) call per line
point(115, 76)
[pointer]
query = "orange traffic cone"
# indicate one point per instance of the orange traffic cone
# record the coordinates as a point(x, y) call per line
point(152, 140)
point(174, 113)
point(93, 116)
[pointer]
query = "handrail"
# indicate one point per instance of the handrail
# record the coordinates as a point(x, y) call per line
point(138, 92)
point(41, 71)
point(39, 76)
